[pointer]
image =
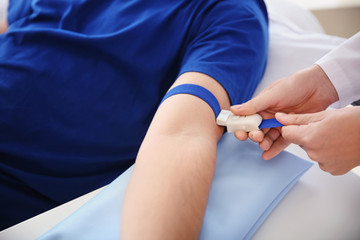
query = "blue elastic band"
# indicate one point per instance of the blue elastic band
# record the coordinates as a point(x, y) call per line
point(197, 91)
point(211, 100)
point(270, 123)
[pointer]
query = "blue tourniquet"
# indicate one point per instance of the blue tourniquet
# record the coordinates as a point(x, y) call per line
point(197, 91)
point(270, 123)
point(211, 100)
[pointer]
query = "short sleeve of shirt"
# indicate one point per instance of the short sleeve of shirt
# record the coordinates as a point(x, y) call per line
point(18, 9)
point(231, 46)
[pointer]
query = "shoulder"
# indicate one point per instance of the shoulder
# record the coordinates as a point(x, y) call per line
point(238, 9)
point(232, 15)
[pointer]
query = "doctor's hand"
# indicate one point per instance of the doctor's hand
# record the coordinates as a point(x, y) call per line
point(331, 138)
point(306, 91)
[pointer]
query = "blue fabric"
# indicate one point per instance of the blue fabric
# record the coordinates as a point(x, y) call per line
point(244, 191)
point(270, 123)
point(17, 10)
point(198, 91)
point(80, 81)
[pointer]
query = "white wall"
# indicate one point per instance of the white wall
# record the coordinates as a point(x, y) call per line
point(338, 17)
point(326, 4)
point(3, 8)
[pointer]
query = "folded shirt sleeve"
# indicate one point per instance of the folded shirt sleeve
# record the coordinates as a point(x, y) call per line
point(342, 66)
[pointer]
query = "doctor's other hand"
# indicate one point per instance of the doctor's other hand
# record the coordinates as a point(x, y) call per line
point(306, 91)
point(330, 137)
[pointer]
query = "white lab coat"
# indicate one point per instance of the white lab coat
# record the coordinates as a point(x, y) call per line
point(342, 66)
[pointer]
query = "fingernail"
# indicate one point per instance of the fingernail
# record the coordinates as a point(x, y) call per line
point(251, 135)
point(280, 114)
point(236, 107)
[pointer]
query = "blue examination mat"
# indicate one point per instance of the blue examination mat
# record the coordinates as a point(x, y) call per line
point(244, 191)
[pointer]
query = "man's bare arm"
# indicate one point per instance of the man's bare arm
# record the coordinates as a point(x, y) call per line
point(167, 194)
point(3, 25)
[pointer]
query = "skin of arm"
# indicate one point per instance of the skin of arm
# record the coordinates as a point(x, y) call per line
point(3, 26)
point(307, 91)
point(330, 137)
point(167, 195)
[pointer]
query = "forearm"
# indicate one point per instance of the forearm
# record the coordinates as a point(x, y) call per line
point(167, 195)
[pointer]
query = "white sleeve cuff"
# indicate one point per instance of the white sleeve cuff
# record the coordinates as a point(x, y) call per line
point(342, 66)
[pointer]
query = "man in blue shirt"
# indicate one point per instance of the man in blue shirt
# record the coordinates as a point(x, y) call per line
point(80, 82)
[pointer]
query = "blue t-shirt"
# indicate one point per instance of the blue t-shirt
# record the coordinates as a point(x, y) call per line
point(80, 81)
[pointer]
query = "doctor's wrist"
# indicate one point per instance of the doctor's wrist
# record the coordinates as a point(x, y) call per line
point(324, 84)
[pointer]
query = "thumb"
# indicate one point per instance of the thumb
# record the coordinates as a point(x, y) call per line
point(255, 105)
point(297, 126)
point(299, 119)
point(295, 134)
